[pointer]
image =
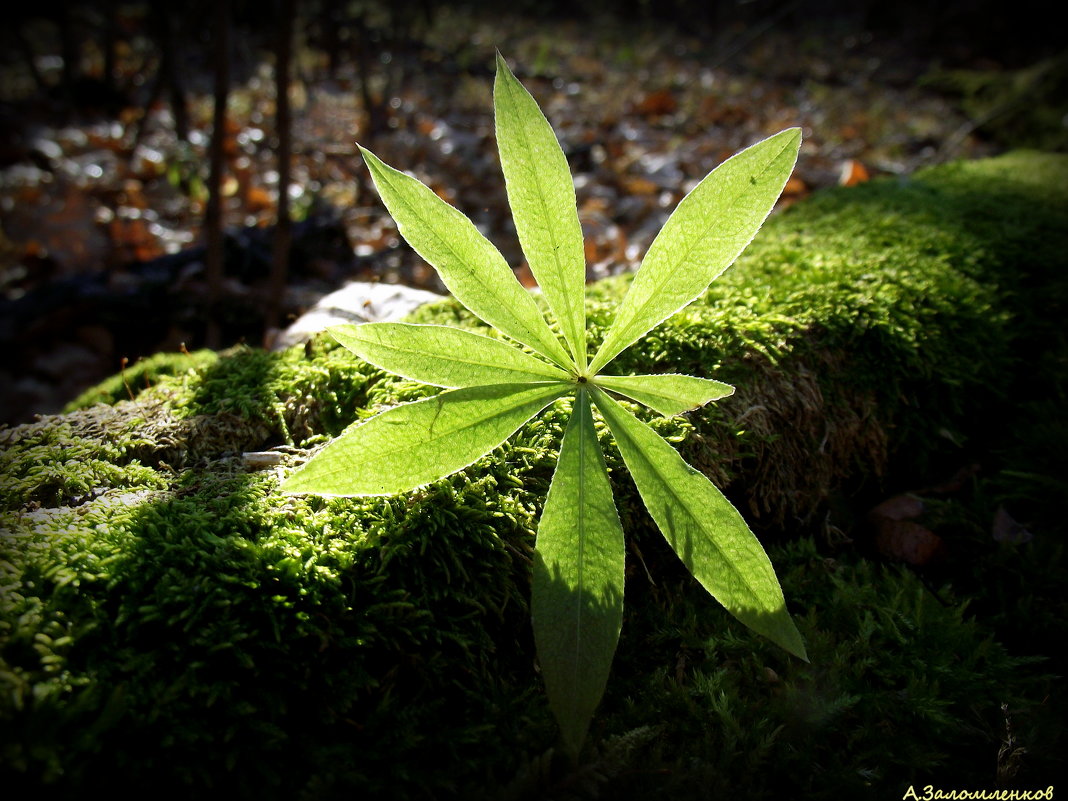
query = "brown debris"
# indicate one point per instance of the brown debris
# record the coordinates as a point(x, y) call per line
point(907, 541)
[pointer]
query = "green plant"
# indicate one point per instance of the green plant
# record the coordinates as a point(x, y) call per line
point(494, 387)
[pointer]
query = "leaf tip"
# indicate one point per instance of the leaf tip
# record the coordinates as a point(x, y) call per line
point(789, 639)
point(369, 158)
point(794, 135)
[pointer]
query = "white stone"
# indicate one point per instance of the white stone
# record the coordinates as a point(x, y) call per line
point(357, 302)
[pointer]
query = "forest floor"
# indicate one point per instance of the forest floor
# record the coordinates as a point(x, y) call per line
point(98, 203)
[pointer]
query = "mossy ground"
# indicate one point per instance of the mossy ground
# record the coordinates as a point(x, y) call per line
point(168, 618)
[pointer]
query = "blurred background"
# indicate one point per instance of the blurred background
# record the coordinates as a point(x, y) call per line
point(177, 176)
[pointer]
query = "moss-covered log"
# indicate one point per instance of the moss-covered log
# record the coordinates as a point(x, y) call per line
point(167, 619)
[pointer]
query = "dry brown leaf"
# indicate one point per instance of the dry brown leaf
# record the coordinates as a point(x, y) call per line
point(853, 173)
point(1005, 529)
point(258, 199)
point(636, 185)
point(957, 481)
point(657, 103)
point(795, 188)
point(899, 507)
point(906, 541)
point(714, 111)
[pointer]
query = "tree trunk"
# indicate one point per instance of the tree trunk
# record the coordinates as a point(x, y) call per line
point(213, 216)
point(283, 228)
point(69, 49)
point(169, 71)
point(110, 9)
point(29, 57)
point(372, 106)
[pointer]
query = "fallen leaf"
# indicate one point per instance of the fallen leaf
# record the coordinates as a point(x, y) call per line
point(714, 111)
point(957, 481)
point(899, 507)
point(1005, 529)
point(909, 542)
point(853, 173)
point(795, 188)
point(636, 185)
point(896, 534)
point(657, 103)
point(258, 199)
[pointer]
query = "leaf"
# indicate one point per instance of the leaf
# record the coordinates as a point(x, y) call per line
point(704, 235)
point(853, 172)
point(579, 561)
point(577, 593)
point(1006, 529)
point(472, 269)
point(707, 533)
point(442, 355)
point(899, 507)
point(541, 194)
point(657, 104)
point(420, 442)
point(670, 393)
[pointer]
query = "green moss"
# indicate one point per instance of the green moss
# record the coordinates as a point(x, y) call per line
point(298, 393)
point(59, 461)
point(141, 375)
point(1016, 108)
point(890, 664)
point(213, 613)
point(166, 616)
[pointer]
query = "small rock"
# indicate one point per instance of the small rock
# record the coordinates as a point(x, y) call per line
point(261, 460)
point(356, 302)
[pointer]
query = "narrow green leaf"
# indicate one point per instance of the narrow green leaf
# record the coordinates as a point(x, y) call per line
point(706, 531)
point(577, 594)
point(541, 195)
point(472, 269)
point(670, 393)
point(443, 356)
point(420, 442)
point(710, 227)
